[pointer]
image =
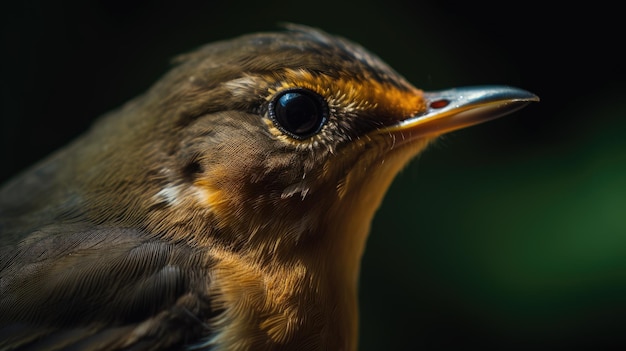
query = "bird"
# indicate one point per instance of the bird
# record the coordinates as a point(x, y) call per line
point(226, 208)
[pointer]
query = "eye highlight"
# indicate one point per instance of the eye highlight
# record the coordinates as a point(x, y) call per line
point(299, 113)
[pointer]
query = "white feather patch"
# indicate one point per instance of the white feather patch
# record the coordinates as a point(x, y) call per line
point(243, 86)
point(170, 195)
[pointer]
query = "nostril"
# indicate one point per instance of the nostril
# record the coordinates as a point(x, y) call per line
point(437, 104)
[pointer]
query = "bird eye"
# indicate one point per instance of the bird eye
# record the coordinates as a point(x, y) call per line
point(299, 113)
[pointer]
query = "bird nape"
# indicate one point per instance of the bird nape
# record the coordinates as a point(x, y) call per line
point(226, 208)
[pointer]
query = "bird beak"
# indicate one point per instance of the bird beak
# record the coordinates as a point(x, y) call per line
point(458, 108)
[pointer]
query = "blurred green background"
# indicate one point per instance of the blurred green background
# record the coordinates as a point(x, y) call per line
point(507, 235)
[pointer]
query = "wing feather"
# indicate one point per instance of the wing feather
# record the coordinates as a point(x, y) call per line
point(78, 287)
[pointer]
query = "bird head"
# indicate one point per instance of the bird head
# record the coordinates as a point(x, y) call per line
point(277, 145)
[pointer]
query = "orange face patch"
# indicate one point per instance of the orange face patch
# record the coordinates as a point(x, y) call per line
point(352, 95)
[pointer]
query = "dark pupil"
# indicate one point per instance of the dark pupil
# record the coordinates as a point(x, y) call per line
point(299, 113)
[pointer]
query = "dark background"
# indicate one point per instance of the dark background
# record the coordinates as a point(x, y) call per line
point(510, 234)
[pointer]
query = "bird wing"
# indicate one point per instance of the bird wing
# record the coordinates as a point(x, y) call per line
point(98, 288)
point(67, 283)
